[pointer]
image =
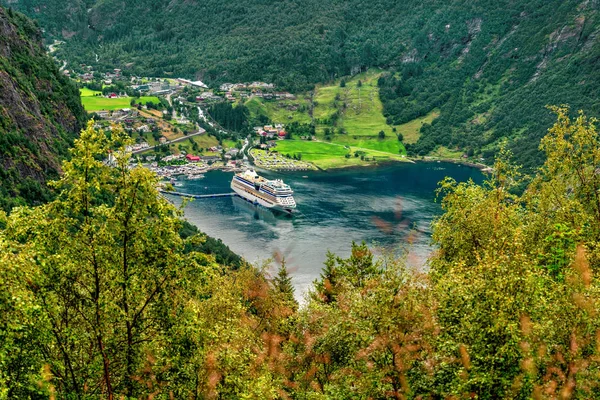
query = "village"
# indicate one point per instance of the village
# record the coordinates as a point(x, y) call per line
point(167, 118)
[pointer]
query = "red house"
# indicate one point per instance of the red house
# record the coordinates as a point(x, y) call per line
point(192, 158)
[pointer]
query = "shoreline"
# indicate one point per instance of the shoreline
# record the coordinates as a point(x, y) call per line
point(479, 166)
point(482, 167)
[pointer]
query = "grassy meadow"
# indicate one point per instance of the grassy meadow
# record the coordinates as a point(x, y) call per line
point(358, 114)
point(202, 141)
point(92, 102)
point(284, 111)
point(327, 155)
point(411, 130)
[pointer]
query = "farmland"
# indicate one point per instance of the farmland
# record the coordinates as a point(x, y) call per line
point(348, 117)
point(94, 101)
point(334, 155)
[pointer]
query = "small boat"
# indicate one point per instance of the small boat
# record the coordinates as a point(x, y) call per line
point(192, 177)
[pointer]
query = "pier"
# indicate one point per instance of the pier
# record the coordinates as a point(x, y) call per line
point(200, 196)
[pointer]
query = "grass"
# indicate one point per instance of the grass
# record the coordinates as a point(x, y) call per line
point(332, 155)
point(411, 131)
point(279, 111)
point(203, 141)
point(94, 103)
point(444, 152)
point(360, 116)
point(388, 145)
point(85, 92)
point(228, 143)
point(97, 103)
point(147, 99)
point(364, 112)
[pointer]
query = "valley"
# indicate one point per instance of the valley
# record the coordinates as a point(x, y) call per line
point(250, 199)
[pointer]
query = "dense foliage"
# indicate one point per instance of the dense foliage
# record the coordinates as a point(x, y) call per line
point(211, 246)
point(490, 67)
point(492, 70)
point(233, 118)
point(40, 113)
point(101, 296)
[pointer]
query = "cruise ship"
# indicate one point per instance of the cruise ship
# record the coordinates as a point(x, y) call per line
point(273, 194)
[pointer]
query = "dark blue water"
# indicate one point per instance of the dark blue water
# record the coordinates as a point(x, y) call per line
point(386, 207)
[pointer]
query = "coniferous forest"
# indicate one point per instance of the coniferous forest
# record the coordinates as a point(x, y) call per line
point(106, 292)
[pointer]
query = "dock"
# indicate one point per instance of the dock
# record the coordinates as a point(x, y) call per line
point(200, 196)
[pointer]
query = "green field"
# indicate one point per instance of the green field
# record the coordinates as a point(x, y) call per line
point(388, 145)
point(202, 141)
point(85, 92)
point(332, 155)
point(228, 143)
point(97, 103)
point(360, 118)
point(444, 152)
point(284, 111)
point(358, 105)
point(411, 129)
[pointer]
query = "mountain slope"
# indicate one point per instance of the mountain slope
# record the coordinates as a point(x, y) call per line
point(40, 113)
point(494, 78)
point(489, 66)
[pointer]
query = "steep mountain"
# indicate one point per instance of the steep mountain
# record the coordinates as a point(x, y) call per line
point(40, 113)
point(492, 72)
point(490, 67)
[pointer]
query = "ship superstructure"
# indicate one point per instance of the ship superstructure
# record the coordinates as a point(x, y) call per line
point(272, 194)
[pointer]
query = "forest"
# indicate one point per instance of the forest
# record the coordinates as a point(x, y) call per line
point(102, 295)
point(106, 292)
point(490, 67)
point(40, 113)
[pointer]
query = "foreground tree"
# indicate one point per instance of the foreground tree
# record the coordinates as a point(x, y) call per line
point(101, 297)
point(106, 260)
point(513, 277)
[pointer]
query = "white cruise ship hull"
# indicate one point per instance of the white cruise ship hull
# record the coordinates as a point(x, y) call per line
point(256, 198)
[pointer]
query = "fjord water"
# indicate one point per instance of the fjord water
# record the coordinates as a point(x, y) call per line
point(385, 206)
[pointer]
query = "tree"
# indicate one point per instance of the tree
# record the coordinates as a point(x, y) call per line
point(381, 135)
point(282, 284)
point(111, 250)
point(510, 268)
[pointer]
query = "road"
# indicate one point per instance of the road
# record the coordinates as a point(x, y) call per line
point(244, 148)
point(52, 49)
point(168, 142)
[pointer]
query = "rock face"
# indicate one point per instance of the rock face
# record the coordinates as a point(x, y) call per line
point(40, 113)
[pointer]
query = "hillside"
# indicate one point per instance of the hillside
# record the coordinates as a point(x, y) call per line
point(489, 67)
point(40, 113)
point(348, 119)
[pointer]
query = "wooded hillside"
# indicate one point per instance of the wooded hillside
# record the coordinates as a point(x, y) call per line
point(40, 113)
point(490, 66)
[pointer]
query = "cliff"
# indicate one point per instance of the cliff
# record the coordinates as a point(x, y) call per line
point(40, 113)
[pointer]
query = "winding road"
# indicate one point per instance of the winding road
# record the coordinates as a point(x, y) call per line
point(168, 142)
